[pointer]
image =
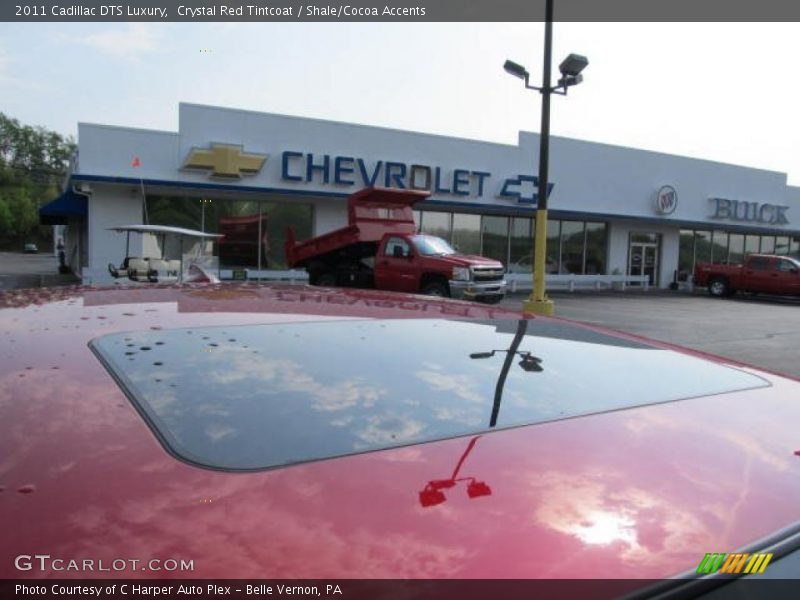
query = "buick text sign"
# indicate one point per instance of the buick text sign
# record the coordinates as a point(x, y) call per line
point(751, 212)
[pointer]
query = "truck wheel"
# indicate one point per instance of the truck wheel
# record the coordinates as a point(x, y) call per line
point(495, 299)
point(436, 288)
point(719, 288)
point(326, 280)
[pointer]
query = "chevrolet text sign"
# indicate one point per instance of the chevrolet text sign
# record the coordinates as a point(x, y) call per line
point(351, 171)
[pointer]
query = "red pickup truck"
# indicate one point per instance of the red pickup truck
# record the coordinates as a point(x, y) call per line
point(760, 273)
point(380, 248)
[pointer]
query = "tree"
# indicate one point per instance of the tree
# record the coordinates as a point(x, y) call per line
point(33, 163)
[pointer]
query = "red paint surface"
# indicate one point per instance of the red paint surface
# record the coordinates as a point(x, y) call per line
point(641, 493)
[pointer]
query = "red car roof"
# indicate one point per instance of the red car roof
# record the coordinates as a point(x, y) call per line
point(637, 493)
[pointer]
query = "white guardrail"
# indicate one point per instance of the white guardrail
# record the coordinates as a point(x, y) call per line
point(516, 281)
point(288, 276)
point(523, 281)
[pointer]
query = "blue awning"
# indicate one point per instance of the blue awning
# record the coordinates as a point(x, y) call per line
point(67, 205)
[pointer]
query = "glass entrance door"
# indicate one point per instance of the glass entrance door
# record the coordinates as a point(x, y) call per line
point(643, 256)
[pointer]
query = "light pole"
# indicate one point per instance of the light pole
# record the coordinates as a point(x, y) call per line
point(203, 202)
point(570, 68)
point(529, 363)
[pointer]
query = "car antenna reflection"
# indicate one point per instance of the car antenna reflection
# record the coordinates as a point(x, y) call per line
point(528, 363)
point(433, 494)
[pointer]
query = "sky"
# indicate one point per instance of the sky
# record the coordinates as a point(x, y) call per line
point(724, 92)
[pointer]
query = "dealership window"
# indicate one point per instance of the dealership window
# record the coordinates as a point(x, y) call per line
point(280, 216)
point(782, 245)
point(752, 243)
point(644, 238)
point(696, 247)
point(553, 246)
point(595, 248)
point(577, 247)
point(521, 245)
point(494, 238)
point(702, 247)
point(572, 247)
point(736, 248)
point(719, 247)
point(251, 227)
point(767, 244)
point(436, 223)
point(467, 233)
point(686, 254)
point(417, 218)
point(794, 247)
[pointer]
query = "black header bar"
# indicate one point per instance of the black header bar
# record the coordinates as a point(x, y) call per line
point(397, 10)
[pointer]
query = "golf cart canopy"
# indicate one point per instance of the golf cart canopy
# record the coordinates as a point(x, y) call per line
point(164, 229)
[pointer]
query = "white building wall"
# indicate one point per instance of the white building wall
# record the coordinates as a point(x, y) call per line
point(109, 151)
point(110, 206)
point(589, 177)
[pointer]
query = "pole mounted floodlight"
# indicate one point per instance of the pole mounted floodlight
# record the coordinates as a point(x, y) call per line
point(433, 493)
point(570, 68)
point(516, 70)
point(529, 363)
point(573, 64)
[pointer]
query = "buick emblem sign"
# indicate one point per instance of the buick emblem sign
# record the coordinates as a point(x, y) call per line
point(666, 200)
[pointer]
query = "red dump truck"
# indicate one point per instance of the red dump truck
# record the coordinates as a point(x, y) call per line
point(762, 273)
point(380, 248)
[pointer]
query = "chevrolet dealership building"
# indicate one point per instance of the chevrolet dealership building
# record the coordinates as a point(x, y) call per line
point(613, 210)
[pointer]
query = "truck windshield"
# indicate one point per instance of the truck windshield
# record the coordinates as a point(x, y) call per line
point(429, 245)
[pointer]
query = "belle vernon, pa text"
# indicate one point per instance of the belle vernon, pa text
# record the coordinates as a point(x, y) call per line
point(136, 589)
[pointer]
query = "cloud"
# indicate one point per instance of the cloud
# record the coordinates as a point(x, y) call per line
point(387, 429)
point(128, 43)
point(11, 82)
point(463, 386)
point(4, 63)
point(287, 376)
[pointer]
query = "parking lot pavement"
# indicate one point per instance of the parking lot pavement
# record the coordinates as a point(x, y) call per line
point(762, 331)
point(18, 270)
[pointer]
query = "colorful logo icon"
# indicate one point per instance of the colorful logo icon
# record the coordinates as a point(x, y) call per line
point(734, 563)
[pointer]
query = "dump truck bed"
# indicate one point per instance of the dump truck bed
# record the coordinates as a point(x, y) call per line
point(371, 214)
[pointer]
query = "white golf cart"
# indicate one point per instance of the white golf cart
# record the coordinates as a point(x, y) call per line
point(198, 264)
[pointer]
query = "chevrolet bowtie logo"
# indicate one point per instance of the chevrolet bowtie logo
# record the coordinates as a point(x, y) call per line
point(225, 160)
point(521, 183)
